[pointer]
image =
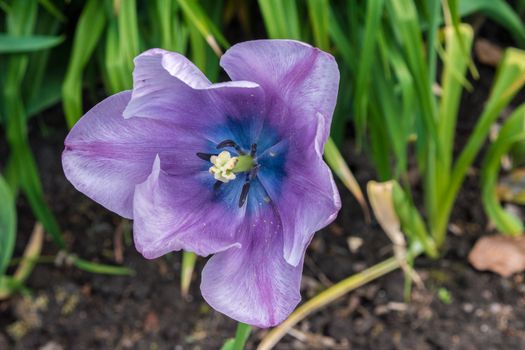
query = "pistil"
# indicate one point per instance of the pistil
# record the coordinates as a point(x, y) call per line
point(226, 167)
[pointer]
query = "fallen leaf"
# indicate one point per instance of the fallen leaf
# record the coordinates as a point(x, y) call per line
point(487, 52)
point(503, 255)
point(380, 197)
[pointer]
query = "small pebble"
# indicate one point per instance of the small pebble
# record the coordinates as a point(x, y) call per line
point(468, 307)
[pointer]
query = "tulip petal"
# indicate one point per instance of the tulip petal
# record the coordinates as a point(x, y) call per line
point(167, 86)
point(173, 212)
point(254, 284)
point(307, 198)
point(302, 78)
point(105, 155)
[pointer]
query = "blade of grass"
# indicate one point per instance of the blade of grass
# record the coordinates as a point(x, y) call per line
point(21, 21)
point(38, 69)
point(374, 10)
point(510, 78)
point(396, 113)
point(129, 40)
point(343, 44)
point(32, 187)
point(326, 297)
point(512, 131)
point(407, 113)
point(411, 221)
point(455, 64)
point(405, 25)
point(165, 17)
point(17, 44)
point(114, 65)
point(31, 254)
point(198, 17)
point(50, 7)
point(197, 47)
point(499, 11)
point(293, 29)
point(318, 11)
point(47, 97)
point(7, 226)
point(102, 269)
point(274, 18)
point(433, 20)
point(87, 35)
point(379, 143)
point(188, 265)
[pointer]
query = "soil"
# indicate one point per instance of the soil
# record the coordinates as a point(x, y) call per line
point(459, 307)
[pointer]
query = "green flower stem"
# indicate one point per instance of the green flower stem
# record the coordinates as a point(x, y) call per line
point(241, 336)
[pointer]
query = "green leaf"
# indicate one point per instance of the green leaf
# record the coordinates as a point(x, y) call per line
point(499, 11)
point(319, 10)
point(455, 62)
point(129, 43)
point(510, 78)
point(200, 20)
point(31, 254)
point(32, 187)
point(512, 131)
point(374, 10)
point(87, 35)
point(188, 265)
point(7, 225)
point(342, 43)
point(433, 14)
point(32, 251)
point(281, 19)
point(103, 269)
point(165, 20)
point(52, 9)
point(117, 74)
point(411, 221)
point(20, 44)
point(49, 96)
point(39, 70)
point(21, 21)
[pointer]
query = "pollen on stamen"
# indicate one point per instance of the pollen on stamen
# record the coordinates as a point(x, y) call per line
point(223, 165)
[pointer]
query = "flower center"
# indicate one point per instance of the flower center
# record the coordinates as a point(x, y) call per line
point(226, 167)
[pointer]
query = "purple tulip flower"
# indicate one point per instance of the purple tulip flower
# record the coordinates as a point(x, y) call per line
point(232, 169)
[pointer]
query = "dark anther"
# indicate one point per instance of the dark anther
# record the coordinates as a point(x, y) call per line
point(246, 187)
point(205, 156)
point(217, 185)
point(231, 143)
point(253, 150)
point(244, 193)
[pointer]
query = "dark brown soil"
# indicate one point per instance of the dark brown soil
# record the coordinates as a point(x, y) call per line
point(72, 309)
